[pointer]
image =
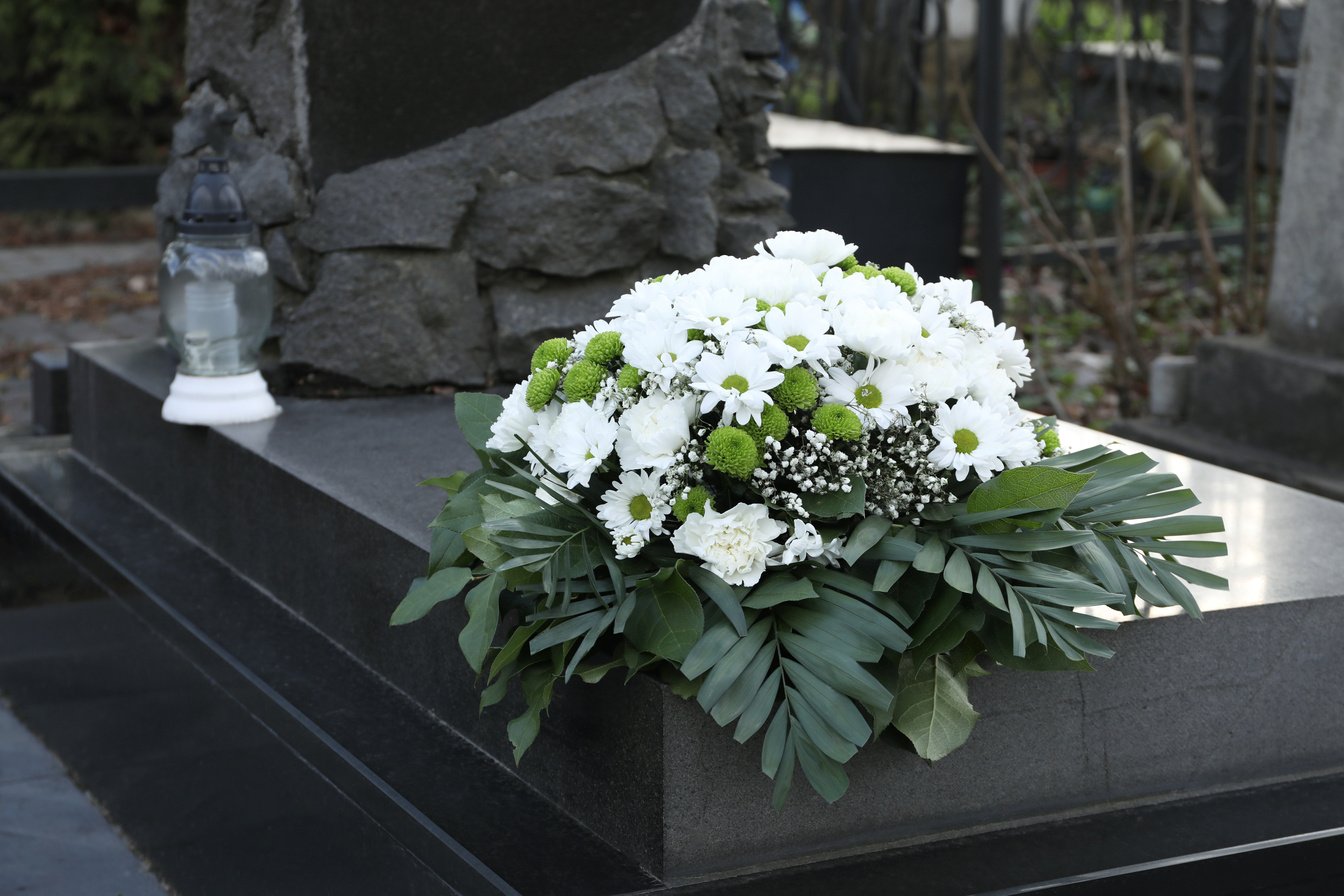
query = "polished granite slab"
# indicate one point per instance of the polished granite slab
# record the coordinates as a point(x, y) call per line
point(1185, 708)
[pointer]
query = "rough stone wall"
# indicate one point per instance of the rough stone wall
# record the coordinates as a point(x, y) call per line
point(448, 264)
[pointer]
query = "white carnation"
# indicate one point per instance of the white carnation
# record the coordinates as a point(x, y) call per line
point(818, 249)
point(653, 431)
point(734, 545)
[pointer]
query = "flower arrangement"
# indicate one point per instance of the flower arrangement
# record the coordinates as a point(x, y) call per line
point(800, 490)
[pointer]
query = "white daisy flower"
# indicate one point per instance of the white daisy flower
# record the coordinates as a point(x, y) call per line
point(582, 436)
point(540, 454)
point(880, 393)
point(740, 379)
point(657, 343)
point(888, 333)
point(1011, 352)
point(734, 545)
point(937, 337)
point(510, 429)
point(970, 436)
point(654, 430)
point(818, 249)
point(721, 313)
point(647, 294)
point(799, 334)
point(635, 504)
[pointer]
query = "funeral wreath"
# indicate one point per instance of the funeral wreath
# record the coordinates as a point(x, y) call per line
point(800, 490)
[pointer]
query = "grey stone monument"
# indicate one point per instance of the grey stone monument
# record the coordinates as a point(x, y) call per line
point(1274, 404)
point(440, 187)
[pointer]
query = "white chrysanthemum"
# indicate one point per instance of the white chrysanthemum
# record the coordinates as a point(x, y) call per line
point(635, 504)
point(721, 313)
point(628, 543)
point(657, 343)
point(538, 439)
point(939, 380)
point(888, 333)
point(1011, 352)
point(937, 337)
point(739, 379)
point(647, 294)
point(510, 429)
point(877, 292)
point(772, 280)
point(584, 336)
point(970, 436)
point(734, 545)
point(800, 334)
point(582, 436)
point(653, 431)
point(818, 249)
point(879, 393)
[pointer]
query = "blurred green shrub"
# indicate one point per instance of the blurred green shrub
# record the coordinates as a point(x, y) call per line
point(89, 82)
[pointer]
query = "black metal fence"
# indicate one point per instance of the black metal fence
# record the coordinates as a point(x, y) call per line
point(1037, 85)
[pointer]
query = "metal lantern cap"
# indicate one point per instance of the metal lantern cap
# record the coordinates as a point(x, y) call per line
point(214, 204)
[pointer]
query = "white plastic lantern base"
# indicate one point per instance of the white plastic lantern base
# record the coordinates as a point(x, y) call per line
point(219, 400)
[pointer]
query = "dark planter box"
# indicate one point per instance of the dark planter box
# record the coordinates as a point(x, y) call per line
point(320, 508)
point(901, 198)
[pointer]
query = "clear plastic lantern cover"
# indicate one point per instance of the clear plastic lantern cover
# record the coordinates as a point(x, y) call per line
point(216, 298)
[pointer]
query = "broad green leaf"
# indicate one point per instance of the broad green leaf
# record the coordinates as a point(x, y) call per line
point(996, 639)
point(837, 669)
point(1025, 541)
point(589, 641)
point(538, 684)
point(709, 649)
point(594, 674)
point(1146, 507)
point(446, 547)
point(735, 700)
point(425, 594)
point(988, 588)
point(1179, 548)
point(784, 780)
point(733, 663)
point(756, 713)
point(948, 635)
point(1191, 524)
point(779, 588)
point(933, 708)
point(482, 603)
point(449, 484)
point(568, 630)
point(896, 547)
point(936, 612)
point(838, 709)
point(1075, 459)
point(818, 728)
point(838, 505)
point(668, 618)
point(957, 572)
point(889, 572)
point(1176, 588)
point(772, 749)
point(496, 691)
point(866, 534)
point(513, 647)
point(1190, 574)
point(1028, 489)
point(718, 591)
point(932, 556)
point(476, 414)
point(826, 775)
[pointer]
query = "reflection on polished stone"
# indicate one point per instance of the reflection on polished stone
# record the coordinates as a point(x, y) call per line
point(1278, 539)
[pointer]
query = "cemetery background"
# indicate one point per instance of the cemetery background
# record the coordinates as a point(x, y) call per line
point(1074, 345)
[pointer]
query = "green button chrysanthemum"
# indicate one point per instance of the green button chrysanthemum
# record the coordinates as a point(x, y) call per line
point(541, 388)
point(837, 422)
point(1049, 439)
point(763, 306)
point(629, 377)
point(732, 451)
point(774, 423)
point(604, 348)
point(866, 270)
point(556, 350)
point(902, 278)
point(583, 381)
point(847, 262)
point(696, 500)
point(798, 392)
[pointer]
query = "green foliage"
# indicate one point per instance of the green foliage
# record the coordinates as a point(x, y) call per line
point(815, 659)
point(88, 83)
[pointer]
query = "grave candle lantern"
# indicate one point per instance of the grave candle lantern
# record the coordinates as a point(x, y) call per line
point(216, 298)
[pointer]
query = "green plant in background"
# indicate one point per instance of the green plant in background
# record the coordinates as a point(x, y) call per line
point(1098, 22)
point(84, 83)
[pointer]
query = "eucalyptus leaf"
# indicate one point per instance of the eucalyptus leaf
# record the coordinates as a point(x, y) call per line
point(837, 505)
point(957, 572)
point(1031, 488)
point(826, 775)
point(818, 728)
point(719, 592)
point(758, 710)
point(988, 588)
point(840, 670)
point(709, 649)
point(733, 663)
point(932, 556)
point(869, 531)
point(772, 749)
point(779, 588)
point(735, 700)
